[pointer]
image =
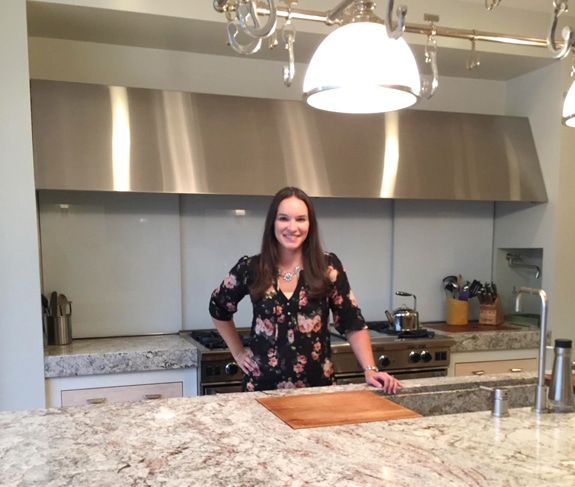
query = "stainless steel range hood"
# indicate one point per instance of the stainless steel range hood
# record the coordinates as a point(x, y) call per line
point(109, 138)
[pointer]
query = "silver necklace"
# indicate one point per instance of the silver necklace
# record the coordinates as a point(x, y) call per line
point(288, 276)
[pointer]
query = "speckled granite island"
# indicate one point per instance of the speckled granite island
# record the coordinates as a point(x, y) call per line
point(232, 440)
point(92, 365)
point(476, 338)
point(118, 355)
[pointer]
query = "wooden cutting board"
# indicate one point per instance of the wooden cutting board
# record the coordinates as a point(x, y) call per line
point(334, 408)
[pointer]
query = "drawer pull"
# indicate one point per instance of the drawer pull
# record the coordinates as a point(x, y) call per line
point(96, 400)
point(517, 370)
point(152, 396)
point(478, 372)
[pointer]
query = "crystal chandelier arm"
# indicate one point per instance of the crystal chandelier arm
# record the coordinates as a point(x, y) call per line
point(429, 85)
point(333, 15)
point(288, 35)
point(219, 5)
point(567, 33)
point(249, 48)
point(491, 4)
point(248, 10)
point(473, 60)
point(401, 13)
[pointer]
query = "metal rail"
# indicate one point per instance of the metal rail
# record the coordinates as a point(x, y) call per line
point(333, 17)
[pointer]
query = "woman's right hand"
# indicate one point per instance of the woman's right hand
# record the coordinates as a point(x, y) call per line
point(245, 360)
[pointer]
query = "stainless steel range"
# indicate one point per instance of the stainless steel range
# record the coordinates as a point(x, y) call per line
point(406, 355)
point(218, 373)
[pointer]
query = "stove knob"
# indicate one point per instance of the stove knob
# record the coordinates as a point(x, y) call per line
point(414, 357)
point(232, 368)
point(384, 361)
point(426, 356)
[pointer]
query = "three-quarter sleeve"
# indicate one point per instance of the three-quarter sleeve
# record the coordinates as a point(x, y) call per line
point(344, 308)
point(235, 286)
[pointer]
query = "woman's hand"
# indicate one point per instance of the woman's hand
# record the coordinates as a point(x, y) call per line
point(245, 360)
point(382, 380)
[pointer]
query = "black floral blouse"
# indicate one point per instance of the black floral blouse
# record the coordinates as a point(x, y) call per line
point(289, 337)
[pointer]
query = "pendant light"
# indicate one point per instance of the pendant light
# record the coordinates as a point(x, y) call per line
point(358, 68)
point(569, 107)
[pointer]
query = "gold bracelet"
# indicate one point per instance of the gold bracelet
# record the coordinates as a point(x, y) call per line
point(371, 367)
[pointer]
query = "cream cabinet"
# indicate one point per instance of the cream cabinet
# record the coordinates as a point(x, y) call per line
point(496, 367)
point(107, 388)
point(101, 395)
point(493, 362)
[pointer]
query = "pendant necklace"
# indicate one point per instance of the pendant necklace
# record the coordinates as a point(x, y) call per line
point(288, 276)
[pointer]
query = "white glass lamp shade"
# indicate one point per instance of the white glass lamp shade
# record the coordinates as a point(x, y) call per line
point(569, 107)
point(359, 69)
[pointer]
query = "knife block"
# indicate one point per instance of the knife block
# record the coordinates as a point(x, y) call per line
point(457, 312)
point(491, 314)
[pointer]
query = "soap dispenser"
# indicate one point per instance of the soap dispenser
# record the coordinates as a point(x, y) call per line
point(561, 389)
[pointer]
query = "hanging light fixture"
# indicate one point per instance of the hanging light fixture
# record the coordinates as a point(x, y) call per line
point(560, 52)
point(568, 117)
point(569, 107)
point(364, 66)
point(358, 68)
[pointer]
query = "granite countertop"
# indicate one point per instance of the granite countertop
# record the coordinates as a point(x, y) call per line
point(117, 355)
point(475, 338)
point(159, 352)
point(232, 440)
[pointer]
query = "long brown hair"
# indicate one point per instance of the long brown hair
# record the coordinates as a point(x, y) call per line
point(314, 261)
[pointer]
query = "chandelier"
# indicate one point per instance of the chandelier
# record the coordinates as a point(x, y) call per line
point(365, 65)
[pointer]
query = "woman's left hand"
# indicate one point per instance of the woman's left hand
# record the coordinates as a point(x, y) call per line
point(382, 380)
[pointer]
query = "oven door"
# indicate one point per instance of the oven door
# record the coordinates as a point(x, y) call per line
point(400, 374)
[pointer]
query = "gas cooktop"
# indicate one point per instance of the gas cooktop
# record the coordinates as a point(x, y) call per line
point(385, 328)
point(384, 337)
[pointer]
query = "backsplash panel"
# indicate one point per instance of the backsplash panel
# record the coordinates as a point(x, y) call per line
point(147, 263)
point(216, 232)
point(360, 233)
point(215, 236)
point(434, 239)
point(117, 258)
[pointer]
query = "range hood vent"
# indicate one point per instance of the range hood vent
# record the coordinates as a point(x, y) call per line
point(110, 138)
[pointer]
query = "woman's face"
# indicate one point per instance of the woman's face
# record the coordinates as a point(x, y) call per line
point(292, 223)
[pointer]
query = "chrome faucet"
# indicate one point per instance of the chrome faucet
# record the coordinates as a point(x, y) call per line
point(542, 390)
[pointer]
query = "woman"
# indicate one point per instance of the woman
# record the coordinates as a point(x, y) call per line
point(293, 284)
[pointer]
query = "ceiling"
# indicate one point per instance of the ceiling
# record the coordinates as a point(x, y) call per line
point(198, 35)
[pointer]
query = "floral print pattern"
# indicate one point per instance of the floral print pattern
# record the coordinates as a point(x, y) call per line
point(290, 338)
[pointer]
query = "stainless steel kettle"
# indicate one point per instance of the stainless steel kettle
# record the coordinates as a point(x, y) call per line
point(404, 318)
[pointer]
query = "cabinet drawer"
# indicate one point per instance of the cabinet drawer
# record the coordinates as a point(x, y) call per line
point(496, 367)
point(100, 395)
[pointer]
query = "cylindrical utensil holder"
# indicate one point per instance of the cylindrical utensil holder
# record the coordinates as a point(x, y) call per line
point(49, 323)
point(45, 327)
point(457, 312)
point(63, 330)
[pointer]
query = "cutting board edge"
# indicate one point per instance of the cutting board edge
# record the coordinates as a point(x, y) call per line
point(296, 423)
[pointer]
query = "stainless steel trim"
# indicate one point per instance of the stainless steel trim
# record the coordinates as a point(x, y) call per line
point(110, 138)
point(222, 388)
point(400, 374)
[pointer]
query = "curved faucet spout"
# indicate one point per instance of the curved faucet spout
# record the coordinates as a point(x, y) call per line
point(541, 391)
